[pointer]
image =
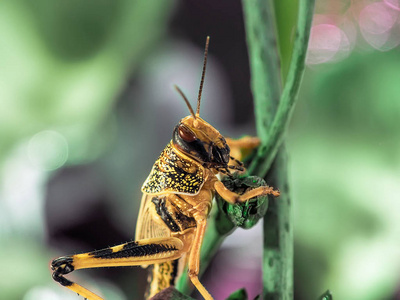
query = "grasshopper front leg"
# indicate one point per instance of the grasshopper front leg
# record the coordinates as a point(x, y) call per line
point(233, 197)
point(142, 252)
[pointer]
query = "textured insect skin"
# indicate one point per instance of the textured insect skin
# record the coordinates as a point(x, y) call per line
point(172, 172)
point(177, 199)
point(179, 202)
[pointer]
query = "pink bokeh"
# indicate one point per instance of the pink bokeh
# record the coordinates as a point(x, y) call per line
point(326, 41)
point(377, 18)
point(379, 25)
point(334, 33)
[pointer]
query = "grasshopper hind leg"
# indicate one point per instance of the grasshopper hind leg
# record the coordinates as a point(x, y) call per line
point(135, 253)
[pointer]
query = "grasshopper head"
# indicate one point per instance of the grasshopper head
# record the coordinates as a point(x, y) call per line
point(198, 139)
point(201, 141)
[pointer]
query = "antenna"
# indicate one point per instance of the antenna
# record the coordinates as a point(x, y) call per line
point(202, 76)
point(186, 100)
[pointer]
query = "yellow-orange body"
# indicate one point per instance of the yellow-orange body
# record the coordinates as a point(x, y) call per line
point(177, 199)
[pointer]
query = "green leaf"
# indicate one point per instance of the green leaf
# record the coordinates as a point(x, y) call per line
point(286, 18)
point(238, 295)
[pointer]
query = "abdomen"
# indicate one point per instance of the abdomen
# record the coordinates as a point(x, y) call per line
point(160, 277)
point(163, 216)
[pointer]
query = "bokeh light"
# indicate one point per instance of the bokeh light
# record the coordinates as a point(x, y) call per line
point(48, 150)
point(326, 41)
point(379, 26)
point(337, 32)
point(377, 18)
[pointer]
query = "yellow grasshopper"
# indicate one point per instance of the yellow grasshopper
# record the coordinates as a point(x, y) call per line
point(177, 199)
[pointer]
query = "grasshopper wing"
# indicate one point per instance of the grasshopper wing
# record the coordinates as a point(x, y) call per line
point(149, 224)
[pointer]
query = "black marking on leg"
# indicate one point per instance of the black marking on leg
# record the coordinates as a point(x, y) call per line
point(101, 253)
point(132, 249)
point(106, 252)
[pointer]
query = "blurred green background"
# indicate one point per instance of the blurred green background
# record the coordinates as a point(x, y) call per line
point(86, 106)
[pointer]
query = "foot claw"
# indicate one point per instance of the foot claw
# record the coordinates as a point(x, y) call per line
point(62, 266)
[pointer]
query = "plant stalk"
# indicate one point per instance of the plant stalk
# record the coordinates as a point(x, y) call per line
point(278, 233)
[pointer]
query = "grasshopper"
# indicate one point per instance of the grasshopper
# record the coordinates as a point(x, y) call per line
point(177, 199)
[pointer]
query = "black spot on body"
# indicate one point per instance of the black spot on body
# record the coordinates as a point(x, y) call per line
point(174, 271)
point(165, 215)
point(182, 219)
point(185, 221)
point(149, 280)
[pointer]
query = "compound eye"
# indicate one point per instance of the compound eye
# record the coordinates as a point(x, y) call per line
point(186, 134)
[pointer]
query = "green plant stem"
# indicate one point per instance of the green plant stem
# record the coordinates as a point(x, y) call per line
point(264, 61)
point(267, 151)
point(278, 237)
